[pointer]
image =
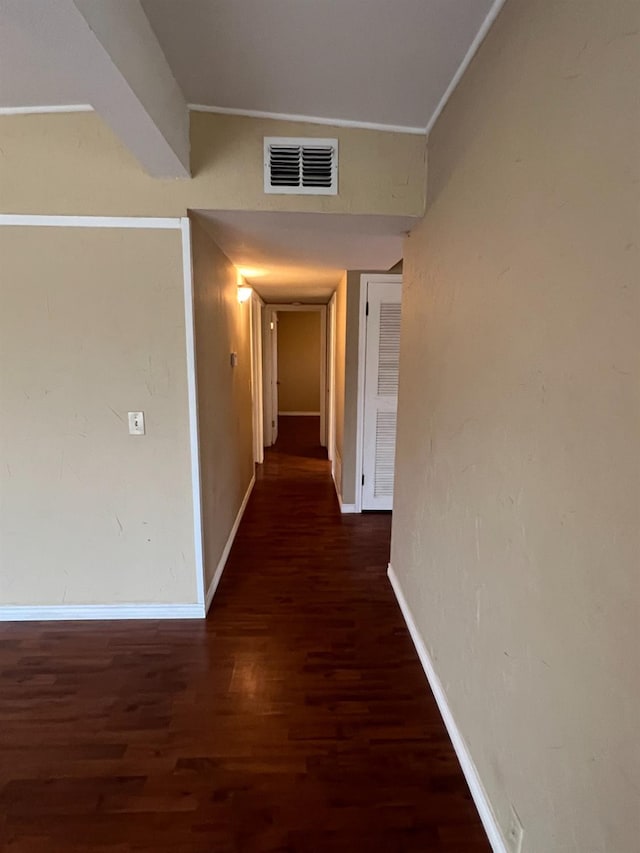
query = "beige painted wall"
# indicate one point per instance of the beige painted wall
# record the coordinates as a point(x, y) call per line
point(299, 361)
point(224, 392)
point(516, 533)
point(91, 327)
point(73, 164)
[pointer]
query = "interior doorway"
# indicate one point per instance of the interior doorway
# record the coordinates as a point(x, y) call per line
point(295, 369)
point(257, 402)
point(378, 373)
point(330, 391)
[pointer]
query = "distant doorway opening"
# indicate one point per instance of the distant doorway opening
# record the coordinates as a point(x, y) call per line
point(295, 367)
point(298, 436)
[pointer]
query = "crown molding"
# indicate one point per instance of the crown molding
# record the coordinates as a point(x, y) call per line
point(331, 122)
point(52, 108)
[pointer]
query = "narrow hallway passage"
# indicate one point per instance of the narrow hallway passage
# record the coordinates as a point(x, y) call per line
point(296, 718)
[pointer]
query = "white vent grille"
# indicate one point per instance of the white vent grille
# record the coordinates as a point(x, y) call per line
point(300, 166)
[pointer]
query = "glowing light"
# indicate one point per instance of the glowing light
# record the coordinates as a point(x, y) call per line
point(251, 272)
point(244, 293)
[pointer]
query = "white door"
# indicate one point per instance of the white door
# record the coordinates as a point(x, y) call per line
point(256, 377)
point(382, 354)
point(270, 368)
point(331, 378)
point(273, 327)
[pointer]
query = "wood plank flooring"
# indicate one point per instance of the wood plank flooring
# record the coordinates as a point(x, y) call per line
point(296, 718)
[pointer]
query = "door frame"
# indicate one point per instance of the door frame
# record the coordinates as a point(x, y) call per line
point(268, 341)
point(331, 380)
point(365, 280)
point(256, 308)
point(270, 315)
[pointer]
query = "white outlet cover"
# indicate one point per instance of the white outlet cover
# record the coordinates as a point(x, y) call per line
point(515, 833)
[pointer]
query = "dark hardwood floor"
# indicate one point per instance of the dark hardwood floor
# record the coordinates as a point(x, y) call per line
point(296, 718)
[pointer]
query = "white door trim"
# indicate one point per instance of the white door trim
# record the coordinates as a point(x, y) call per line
point(256, 311)
point(192, 389)
point(365, 280)
point(272, 351)
point(331, 381)
point(271, 368)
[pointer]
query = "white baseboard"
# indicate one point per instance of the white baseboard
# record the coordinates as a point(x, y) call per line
point(299, 414)
point(73, 612)
point(336, 470)
point(469, 769)
point(227, 548)
point(345, 509)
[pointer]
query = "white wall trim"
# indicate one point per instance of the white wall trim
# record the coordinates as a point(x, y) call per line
point(192, 390)
point(332, 122)
point(336, 473)
point(469, 769)
point(29, 219)
point(345, 509)
point(227, 548)
point(74, 612)
point(256, 308)
point(269, 377)
point(55, 108)
point(299, 414)
point(330, 391)
point(492, 14)
point(362, 342)
point(337, 487)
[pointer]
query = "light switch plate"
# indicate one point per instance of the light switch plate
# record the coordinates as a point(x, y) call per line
point(136, 423)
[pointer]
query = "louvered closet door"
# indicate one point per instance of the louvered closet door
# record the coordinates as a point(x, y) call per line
point(381, 394)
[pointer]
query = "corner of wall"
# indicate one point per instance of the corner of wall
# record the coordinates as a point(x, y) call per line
point(225, 415)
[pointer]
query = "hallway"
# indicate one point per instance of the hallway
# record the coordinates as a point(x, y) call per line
point(296, 718)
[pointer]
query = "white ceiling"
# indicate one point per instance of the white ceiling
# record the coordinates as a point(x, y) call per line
point(301, 256)
point(380, 61)
point(383, 62)
point(31, 73)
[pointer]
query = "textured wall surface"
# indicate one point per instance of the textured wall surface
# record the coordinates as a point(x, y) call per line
point(73, 164)
point(516, 532)
point(224, 393)
point(91, 327)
